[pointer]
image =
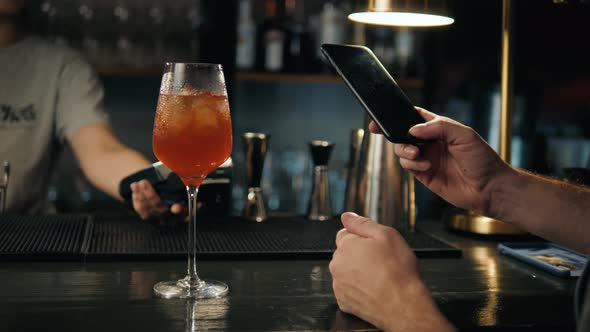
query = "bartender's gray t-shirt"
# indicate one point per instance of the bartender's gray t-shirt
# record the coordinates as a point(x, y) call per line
point(47, 93)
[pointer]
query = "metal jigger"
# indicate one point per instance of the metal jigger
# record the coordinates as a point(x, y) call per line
point(320, 207)
point(255, 147)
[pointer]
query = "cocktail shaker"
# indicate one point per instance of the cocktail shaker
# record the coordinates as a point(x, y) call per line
point(320, 206)
point(384, 190)
point(255, 148)
point(356, 141)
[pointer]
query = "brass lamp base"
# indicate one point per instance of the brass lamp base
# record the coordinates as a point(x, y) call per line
point(471, 222)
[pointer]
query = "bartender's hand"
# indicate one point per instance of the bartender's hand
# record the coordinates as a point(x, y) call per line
point(148, 204)
point(459, 166)
point(375, 277)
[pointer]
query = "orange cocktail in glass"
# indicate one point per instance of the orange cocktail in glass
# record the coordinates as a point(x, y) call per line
point(192, 136)
point(192, 133)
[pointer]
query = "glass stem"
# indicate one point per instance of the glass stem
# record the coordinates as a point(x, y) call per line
point(192, 276)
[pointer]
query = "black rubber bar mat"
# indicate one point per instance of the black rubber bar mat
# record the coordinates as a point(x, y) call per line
point(55, 237)
point(234, 238)
point(63, 237)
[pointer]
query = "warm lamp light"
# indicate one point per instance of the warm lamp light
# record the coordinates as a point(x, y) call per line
point(409, 13)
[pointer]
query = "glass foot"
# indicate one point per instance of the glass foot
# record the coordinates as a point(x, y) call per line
point(182, 289)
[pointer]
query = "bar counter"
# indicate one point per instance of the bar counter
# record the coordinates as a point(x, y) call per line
point(479, 291)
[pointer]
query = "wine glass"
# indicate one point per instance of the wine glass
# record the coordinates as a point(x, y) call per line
point(192, 136)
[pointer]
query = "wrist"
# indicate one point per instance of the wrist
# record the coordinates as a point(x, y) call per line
point(506, 187)
point(419, 313)
point(427, 319)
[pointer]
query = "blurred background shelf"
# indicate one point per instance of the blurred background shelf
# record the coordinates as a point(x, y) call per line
point(310, 78)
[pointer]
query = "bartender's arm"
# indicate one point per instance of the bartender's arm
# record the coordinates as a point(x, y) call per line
point(105, 161)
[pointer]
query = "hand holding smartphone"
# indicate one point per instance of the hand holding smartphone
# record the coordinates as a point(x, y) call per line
point(379, 94)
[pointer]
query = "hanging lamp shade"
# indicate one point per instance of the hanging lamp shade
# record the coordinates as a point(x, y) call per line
point(409, 13)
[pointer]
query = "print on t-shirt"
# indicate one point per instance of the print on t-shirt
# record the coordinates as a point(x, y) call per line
point(15, 116)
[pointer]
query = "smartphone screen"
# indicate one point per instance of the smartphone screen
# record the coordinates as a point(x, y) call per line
point(376, 90)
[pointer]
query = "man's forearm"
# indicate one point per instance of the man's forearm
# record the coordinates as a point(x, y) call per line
point(115, 164)
point(553, 209)
point(105, 161)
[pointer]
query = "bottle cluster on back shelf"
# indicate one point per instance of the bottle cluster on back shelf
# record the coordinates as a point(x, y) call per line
point(284, 36)
point(123, 34)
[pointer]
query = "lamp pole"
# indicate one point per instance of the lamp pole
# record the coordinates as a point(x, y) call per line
point(469, 221)
point(507, 83)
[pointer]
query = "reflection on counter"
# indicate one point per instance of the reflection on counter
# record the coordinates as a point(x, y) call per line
point(206, 315)
point(487, 315)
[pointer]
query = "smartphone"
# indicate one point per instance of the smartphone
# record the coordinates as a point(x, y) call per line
point(166, 183)
point(383, 99)
point(214, 193)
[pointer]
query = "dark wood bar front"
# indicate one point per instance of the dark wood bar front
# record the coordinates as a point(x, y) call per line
point(479, 291)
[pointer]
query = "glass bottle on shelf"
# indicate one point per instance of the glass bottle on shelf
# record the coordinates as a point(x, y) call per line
point(331, 29)
point(298, 48)
point(271, 39)
point(246, 41)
